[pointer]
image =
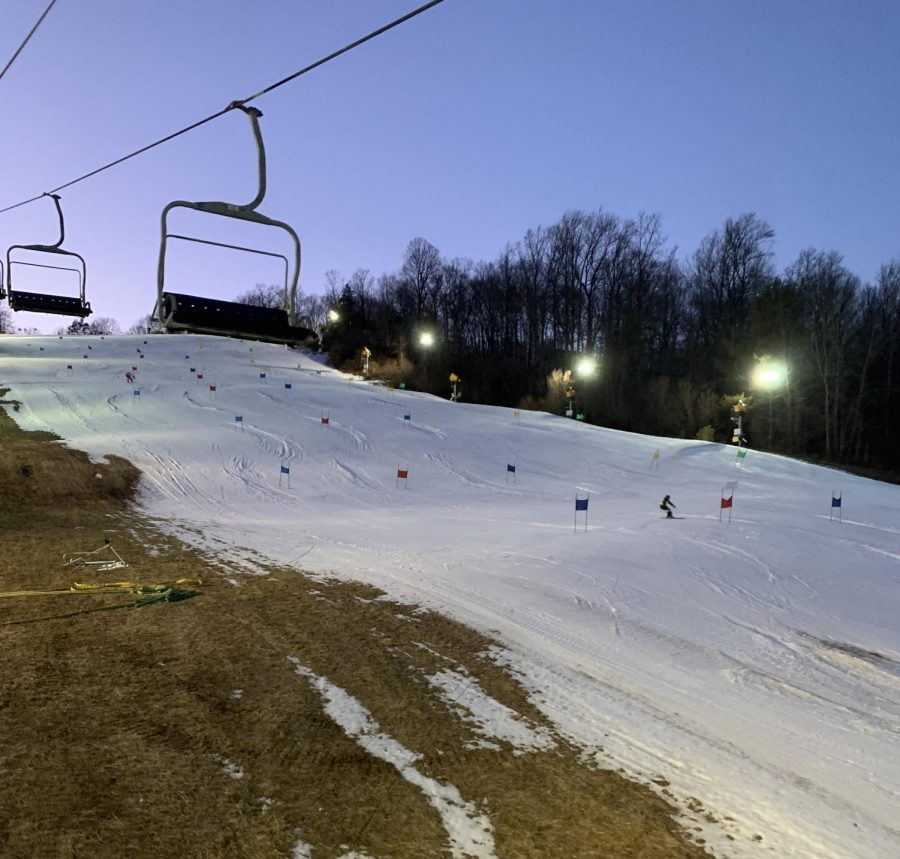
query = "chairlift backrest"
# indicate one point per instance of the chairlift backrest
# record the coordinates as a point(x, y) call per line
point(181, 312)
point(37, 302)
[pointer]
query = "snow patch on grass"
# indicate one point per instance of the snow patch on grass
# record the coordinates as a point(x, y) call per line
point(489, 717)
point(301, 849)
point(471, 833)
point(230, 769)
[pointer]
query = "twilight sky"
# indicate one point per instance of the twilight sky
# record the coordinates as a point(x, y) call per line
point(467, 126)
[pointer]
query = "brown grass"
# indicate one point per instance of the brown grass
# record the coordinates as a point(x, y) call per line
point(115, 720)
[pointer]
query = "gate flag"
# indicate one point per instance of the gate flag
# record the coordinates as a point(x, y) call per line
point(581, 506)
point(726, 503)
point(836, 505)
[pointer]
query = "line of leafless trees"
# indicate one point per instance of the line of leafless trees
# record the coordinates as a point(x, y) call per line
point(675, 338)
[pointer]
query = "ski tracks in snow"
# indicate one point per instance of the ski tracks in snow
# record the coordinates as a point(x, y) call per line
point(169, 477)
point(463, 474)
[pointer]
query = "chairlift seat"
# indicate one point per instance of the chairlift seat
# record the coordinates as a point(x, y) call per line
point(231, 319)
point(42, 303)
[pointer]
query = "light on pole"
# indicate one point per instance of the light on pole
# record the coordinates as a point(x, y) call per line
point(585, 369)
point(427, 342)
point(333, 315)
point(769, 375)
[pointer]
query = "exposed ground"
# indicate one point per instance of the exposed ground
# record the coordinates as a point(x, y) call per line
point(182, 728)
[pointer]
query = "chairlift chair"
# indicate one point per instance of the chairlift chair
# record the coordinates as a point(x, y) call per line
point(37, 302)
point(177, 311)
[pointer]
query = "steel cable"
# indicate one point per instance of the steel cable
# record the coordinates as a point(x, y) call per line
point(305, 70)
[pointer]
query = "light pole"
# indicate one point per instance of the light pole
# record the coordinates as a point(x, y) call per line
point(769, 375)
point(426, 342)
point(585, 369)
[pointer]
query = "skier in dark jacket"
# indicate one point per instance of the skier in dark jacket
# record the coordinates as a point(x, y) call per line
point(667, 505)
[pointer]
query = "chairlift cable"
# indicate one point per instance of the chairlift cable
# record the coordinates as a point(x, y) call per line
point(374, 34)
point(37, 24)
point(235, 104)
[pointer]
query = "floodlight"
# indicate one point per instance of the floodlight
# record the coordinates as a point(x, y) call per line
point(586, 367)
point(769, 375)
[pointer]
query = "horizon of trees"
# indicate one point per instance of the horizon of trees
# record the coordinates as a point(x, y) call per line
point(677, 340)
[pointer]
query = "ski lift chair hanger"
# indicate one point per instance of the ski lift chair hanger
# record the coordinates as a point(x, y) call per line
point(37, 302)
point(181, 312)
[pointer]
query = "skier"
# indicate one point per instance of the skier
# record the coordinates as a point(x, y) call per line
point(667, 505)
point(129, 376)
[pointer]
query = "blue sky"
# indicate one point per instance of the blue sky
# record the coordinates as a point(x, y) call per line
point(467, 126)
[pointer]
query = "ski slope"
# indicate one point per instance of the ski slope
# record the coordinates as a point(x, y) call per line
point(753, 665)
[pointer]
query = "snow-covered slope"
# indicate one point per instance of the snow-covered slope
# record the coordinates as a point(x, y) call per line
point(754, 665)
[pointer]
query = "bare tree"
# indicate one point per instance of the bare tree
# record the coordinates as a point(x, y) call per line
point(312, 310)
point(828, 291)
point(141, 326)
point(727, 272)
point(263, 295)
point(103, 325)
point(886, 395)
point(334, 285)
point(420, 274)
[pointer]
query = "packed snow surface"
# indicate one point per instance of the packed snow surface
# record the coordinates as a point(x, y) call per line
point(754, 665)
